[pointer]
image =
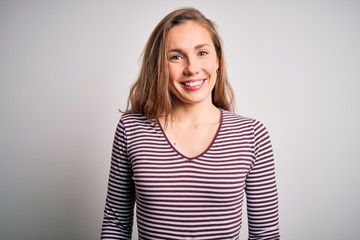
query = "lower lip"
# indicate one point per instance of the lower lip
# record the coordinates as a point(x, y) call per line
point(194, 88)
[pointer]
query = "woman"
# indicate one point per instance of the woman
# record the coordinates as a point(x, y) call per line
point(179, 151)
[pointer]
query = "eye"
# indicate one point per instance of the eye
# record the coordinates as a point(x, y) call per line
point(176, 57)
point(203, 53)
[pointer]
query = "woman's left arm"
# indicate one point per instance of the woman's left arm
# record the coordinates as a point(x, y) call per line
point(261, 189)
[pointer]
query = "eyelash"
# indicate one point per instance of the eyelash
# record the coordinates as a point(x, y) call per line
point(178, 57)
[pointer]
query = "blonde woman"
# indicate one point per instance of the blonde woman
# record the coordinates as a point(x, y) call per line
point(181, 153)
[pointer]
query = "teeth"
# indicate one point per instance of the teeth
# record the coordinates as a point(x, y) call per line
point(193, 84)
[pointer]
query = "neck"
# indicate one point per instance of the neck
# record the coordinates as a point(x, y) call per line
point(195, 113)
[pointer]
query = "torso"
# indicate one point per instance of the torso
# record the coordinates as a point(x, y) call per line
point(197, 196)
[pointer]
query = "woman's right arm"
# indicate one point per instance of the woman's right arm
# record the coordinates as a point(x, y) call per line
point(120, 199)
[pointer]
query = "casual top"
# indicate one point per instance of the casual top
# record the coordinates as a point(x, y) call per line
point(191, 198)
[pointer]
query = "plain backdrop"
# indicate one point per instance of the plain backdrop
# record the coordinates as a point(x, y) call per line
point(66, 68)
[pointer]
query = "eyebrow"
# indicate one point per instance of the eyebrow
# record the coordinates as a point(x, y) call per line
point(196, 47)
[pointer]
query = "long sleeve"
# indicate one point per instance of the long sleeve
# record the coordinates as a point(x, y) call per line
point(261, 189)
point(119, 207)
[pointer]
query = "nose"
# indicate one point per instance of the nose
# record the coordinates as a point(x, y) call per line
point(192, 67)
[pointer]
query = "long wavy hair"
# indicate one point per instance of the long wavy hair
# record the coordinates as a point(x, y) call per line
point(150, 94)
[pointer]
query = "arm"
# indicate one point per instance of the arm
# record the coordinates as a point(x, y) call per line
point(261, 190)
point(120, 200)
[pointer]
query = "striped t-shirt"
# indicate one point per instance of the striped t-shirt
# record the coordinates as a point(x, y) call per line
point(198, 198)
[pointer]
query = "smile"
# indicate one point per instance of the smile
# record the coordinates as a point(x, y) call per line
point(193, 83)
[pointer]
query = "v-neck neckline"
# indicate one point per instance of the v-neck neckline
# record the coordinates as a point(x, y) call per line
point(203, 152)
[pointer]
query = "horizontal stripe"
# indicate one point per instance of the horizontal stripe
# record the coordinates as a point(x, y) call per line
point(198, 198)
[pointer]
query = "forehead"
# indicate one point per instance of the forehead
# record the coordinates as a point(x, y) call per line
point(187, 35)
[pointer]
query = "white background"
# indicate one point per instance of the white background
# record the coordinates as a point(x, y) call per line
point(66, 68)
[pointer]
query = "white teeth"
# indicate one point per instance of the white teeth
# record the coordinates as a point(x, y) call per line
point(193, 84)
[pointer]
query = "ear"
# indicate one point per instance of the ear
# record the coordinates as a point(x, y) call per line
point(217, 63)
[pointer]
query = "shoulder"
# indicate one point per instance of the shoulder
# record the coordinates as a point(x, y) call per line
point(234, 120)
point(133, 118)
point(230, 118)
point(135, 123)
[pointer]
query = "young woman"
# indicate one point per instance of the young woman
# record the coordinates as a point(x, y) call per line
point(180, 153)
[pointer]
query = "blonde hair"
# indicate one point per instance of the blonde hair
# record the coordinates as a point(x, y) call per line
point(150, 94)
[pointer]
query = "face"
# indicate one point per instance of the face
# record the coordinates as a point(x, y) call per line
point(192, 63)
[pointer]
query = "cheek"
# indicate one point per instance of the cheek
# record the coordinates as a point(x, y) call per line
point(212, 66)
point(173, 72)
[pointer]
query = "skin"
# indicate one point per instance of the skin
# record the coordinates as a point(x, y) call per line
point(192, 59)
point(192, 66)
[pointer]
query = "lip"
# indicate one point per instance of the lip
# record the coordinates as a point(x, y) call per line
point(193, 84)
